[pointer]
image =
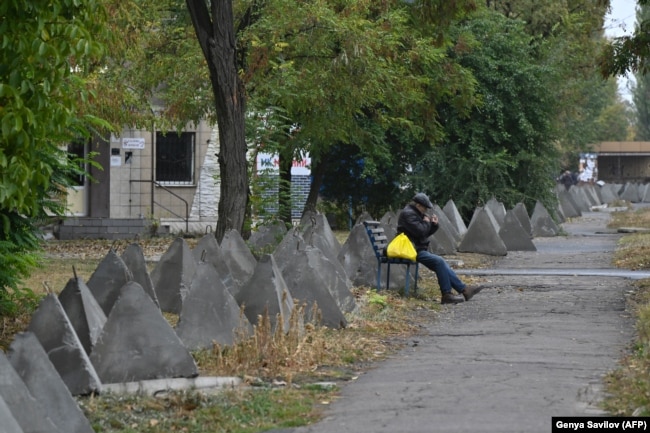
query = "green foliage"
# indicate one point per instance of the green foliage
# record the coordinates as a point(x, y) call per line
point(47, 51)
point(504, 146)
point(641, 89)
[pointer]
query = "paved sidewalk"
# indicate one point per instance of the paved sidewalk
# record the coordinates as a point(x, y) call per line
point(525, 349)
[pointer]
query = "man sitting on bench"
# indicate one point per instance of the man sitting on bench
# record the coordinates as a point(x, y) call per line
point(418, 226)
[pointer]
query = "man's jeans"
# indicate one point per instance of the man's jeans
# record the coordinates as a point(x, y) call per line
point(447, 278)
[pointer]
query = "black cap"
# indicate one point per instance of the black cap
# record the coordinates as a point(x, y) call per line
point(421, 198)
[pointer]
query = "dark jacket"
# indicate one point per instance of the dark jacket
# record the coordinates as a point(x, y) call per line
point(411, 222)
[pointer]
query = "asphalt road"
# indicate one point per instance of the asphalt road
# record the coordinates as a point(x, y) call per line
point(527, 348)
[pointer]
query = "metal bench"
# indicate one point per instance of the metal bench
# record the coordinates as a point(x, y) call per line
point(379, 243)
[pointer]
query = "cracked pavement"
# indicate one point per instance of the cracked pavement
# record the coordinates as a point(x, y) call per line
point(527, 348)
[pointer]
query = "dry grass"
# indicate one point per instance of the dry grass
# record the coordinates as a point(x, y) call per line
point(628, 387)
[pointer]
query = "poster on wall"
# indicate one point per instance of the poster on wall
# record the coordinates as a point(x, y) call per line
point(588, 167)
point(270, 162)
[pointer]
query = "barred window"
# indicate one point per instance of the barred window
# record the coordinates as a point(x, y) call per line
point(175, 158)
point(76, 153)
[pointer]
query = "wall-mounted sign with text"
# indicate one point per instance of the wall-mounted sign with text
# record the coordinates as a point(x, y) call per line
point(132, 143)
point(270, 162)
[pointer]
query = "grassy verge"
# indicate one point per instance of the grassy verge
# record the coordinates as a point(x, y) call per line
point(628, 387)
point(287, 376)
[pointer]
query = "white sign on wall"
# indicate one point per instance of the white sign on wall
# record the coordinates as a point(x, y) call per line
point(268, 161)
point(132, 143)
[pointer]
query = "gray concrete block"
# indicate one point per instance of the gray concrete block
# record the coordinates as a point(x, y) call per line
point(56, 334)
point(514, 236)
point(389, 219)
point(542, 223)
point(365, 216)
point(521, 213)
point(32, 364)
point(107, 279)
point(133, 258)
point(454, 217)
point(210, 313)
point(358, 259)
point(580, 200)
point(25, 409)
point(313, 279)
point(86, 315)
point(173, 276)
point(498, 210)
point(7, 420)
point(266, 237)
point(266, 292)
point(318, 233)
point(609, 193)
point(137, 343)
point(238, 258)
point(482, 236)
point(209, 251)
point(447, 225)
point(567, 205)
point(443, 241)
point(631, 193)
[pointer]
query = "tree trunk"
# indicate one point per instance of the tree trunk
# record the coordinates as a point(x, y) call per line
point(215, 32)
point(317, 173)
point(284, 188)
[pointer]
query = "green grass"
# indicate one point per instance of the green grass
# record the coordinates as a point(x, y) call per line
point(628, 386)
point(235, 411)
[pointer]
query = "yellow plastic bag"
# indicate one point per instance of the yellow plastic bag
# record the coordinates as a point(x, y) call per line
point(401, 247)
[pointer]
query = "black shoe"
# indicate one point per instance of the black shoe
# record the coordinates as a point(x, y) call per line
point(470, 291)
point(450, 298)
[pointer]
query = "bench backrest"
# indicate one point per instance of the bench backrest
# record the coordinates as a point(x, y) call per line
point(377, 237)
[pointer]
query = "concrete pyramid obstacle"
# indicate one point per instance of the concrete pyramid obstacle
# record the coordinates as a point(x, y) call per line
point(7, 420)
point(455, 218)
point(105, 282)
point(314, 279)
point(28, 413)
point(83, 310)
point(365, 216)
point(137, 343)
point(389, 219)
point(567, 205)
point(443, 242)
point(268, 236)
point(590, 192)
point(173, 276)
point(210, 314)
point(318, 234)
point(56, 334)
point(337, 282)
point(580, 200)
point(498, 210)
point(238, 258)
point(133, 257)
point(30, 361)
point(608, 194)
point(631, 193)
point(514, 236)
point(444, 222)
point(542, 223)
point(208, 250)
point(358, 259)
point(521, 213)
point(266, 292)
point(482, 235)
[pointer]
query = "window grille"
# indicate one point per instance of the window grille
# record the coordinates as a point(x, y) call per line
point(175, 158)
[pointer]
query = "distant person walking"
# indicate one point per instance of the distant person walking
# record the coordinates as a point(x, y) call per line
point(566, 179)
point(415, 223)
